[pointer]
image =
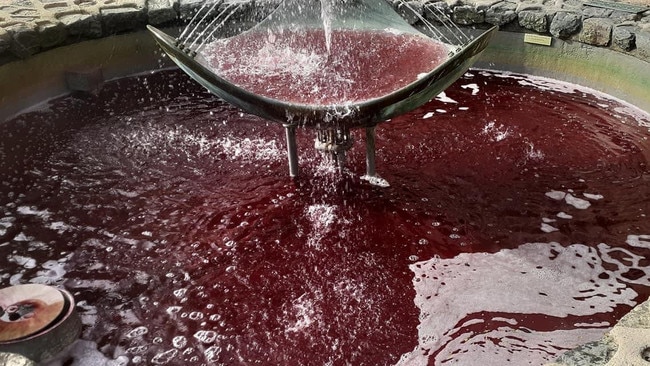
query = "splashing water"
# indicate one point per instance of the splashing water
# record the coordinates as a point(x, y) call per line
point(169, 216)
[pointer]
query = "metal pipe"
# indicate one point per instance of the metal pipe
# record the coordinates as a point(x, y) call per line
point(292, 150)
point(370, 151)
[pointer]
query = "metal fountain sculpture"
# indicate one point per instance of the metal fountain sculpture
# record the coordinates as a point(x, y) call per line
point(332, 120)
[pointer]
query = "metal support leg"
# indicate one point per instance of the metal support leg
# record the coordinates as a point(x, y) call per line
point(370, 151)
point(292, 150)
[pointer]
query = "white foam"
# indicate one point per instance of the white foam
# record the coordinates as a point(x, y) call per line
point(445, 99)
point(535, 278)
point(556, 195)
point(428, 115)
point(576, 202)
point(548, 228)
point(640, 241)
point(594, 197)
point(321, 217)
point(564, 215)
point(474, 87)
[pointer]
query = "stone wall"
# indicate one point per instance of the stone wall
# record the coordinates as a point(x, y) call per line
point(31, 26)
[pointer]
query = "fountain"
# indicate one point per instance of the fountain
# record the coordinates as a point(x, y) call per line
point(323, 63)
point(166, 212)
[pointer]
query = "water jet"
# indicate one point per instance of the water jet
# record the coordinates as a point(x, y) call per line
point(340, 90)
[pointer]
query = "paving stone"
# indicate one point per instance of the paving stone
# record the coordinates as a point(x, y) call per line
point(596, 31)
point(501, 13)
point(468, 15)
point(533, 20)
point(162, 11)
point(565, 24)
point(623, 39)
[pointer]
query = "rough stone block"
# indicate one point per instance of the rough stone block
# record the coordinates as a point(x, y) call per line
point(501, 13)
point(83, 25)
point(84, 80)
point(52, 34)
point(533, 20)
point(642, 40)
point(25, 40)
point(438, 11)
point(623, 39)
point(468, 15)
point(593, 12)
point(121, 19)
point(596, 31)
point(162, 11)
point(411, 11)
point(5, 40)
point(565, 24)
point(187, 8)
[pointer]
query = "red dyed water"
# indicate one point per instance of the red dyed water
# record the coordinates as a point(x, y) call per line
point(515, 226)
point(295, 66)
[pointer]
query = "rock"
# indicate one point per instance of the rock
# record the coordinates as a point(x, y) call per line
point(162, 11)
point(468, 15)
point(642, 40)
point(411, 11)
point(121, 19)
point(83, 25)
point(52, 34)
point(438, 11)
point(592, 354)
point(593, 12)
point(501, 13)
point(533, 20)
point(84, 80)
point(596, 31)
point(25, 40)
point(5, 40)
point(623, 40)
point(565, 24)
point(623, 16)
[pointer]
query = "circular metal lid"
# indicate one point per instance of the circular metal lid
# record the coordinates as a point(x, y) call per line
point(27, 309)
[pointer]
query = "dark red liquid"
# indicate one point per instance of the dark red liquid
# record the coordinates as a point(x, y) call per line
point(295, 67)
point(171, 218)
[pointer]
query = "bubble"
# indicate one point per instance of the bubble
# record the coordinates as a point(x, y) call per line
point(179, 341)
point(212, 353)
point(196, 315)
point(138, 350)
point(164, 357)
point(423, 241)
point(137, 332)
point(173, 310)
point(180, 292)
point(206, 336)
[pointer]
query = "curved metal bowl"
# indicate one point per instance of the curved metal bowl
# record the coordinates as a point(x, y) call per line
point(364, 114)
